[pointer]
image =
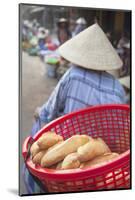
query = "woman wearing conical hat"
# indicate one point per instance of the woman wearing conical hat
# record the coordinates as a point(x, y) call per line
point(80, 25)
point(86, 83)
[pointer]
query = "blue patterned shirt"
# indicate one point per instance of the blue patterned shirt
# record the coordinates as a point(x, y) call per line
point(79, 88)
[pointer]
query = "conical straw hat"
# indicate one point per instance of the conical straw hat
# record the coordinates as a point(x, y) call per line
point(125, 81)
point(91, 49)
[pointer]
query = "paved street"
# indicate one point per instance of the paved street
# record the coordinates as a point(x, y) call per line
point(36, 88)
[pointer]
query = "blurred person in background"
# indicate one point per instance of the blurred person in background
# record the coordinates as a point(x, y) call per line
point(123, 52)
point(42, 35)
point(35, 26)
point(25, 26)
point(27, 30)
point(126, 70)
point(86, 82)
point(72, 25)
point(30, 32)
point(26, 35)
point(46, 44)
point(123, 40)
point(63, 32)
point(80, 25)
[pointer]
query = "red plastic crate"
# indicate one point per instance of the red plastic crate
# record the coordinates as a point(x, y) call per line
point(112, 124)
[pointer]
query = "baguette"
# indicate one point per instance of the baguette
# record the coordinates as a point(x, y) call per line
point(71, 161)
point(52, 147)
point(34, 149)
point(48, 139)
point(93, 148)
point(55, 145)
point(37, 158)
point(99, 160)
point(58, 153)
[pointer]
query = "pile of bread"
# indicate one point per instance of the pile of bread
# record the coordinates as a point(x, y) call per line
point(78, 151)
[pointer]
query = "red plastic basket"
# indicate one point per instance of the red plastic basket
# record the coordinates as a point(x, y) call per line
point(110, 122)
